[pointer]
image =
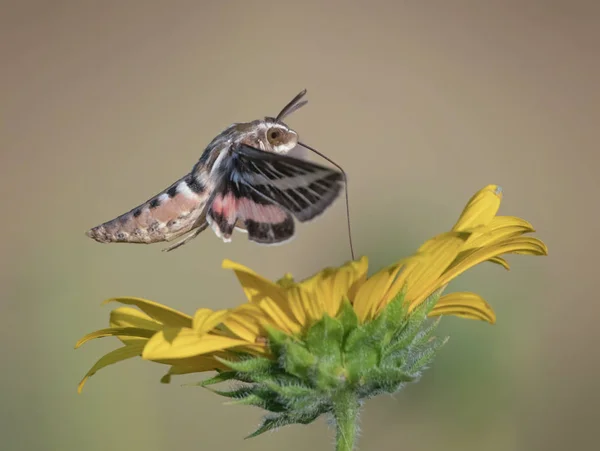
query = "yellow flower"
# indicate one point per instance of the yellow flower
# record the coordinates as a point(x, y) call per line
point(200, 343)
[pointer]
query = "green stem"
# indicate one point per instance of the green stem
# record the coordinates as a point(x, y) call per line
point(345, 413)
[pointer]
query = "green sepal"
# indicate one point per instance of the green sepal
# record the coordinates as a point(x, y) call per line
point(384, 379)
point(324, 340)
point(419, 360)
point(279, 377)
point(389, 320)
point(424, 336)
point(237, 393)
point(277, 339)
point(356, 338)
point(297, 360)
point(221, 377)
point(278, 420)
point(409, 340)
point(263, 398)
point(406, 334)
point(249, 364)
point(289, 391)
point(296, 397)
point(421, 312)
point(347, 316)
point(383, 374)
point(360, 354)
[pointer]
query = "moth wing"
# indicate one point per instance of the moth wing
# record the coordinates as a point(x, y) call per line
point(237, 206)
point(303, 188)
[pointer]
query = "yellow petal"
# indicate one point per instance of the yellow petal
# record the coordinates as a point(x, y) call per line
point(161, 313)
point(500, 261)
point(489, 238)
point(298, 298)
point(407, 264)
point(541, 250)
point(465, 305)
point(255, 287)
point(247, 322)
point(278, 318)
point(510, 221)
point(499, 229)
point(306, 299)
point(206, 320)
point(373, 290)
point(258, 289)
point(481, 208)
point(440, 254)
point(131, 317)
point(399, 283)
point(309, 284)
point(476, 256)
point(181, 343)
point(118, 355)
point(116, 332)
point(340, 282)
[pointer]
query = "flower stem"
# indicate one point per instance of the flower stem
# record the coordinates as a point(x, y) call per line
point(345, 413)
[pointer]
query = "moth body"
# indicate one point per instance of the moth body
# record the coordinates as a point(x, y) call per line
point(243, 180)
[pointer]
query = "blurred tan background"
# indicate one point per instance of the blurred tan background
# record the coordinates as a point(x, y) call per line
point(103, 104)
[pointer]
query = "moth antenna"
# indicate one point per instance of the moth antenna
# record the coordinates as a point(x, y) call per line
point(292, 106)
point(325, 157)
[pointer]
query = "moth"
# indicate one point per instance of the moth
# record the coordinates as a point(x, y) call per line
point(244, 180)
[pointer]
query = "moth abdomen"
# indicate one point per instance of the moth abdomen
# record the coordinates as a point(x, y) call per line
point(172, 212)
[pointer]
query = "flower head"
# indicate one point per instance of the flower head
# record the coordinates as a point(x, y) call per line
point(304, 348)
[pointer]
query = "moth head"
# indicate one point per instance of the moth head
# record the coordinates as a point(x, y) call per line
point(279, 138)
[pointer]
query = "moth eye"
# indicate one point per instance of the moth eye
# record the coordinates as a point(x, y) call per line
point(280, 139)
